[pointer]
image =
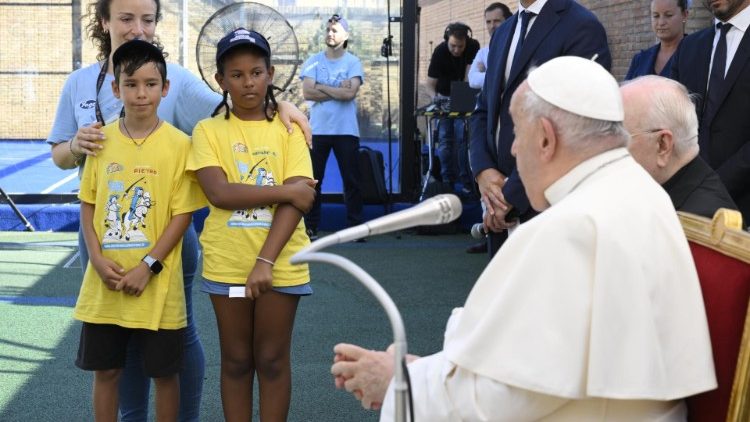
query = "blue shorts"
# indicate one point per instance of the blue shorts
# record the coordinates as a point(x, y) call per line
point(222, 289)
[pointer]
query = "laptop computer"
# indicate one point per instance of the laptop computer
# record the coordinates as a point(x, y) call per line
point(463, 97)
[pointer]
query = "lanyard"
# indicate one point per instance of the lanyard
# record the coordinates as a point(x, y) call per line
point(99, 83)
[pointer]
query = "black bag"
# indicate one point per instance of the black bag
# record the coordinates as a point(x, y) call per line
point(372, 176)
point(433, 189)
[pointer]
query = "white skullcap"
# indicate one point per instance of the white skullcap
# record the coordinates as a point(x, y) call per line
point(579, 86)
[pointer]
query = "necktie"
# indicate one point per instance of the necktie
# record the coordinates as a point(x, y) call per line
point(525, 18)
point(718, 69)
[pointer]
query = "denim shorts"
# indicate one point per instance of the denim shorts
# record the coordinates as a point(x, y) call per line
point(222, 289)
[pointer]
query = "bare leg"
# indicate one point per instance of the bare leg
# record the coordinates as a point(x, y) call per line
point(167, 398)
point(234, 318)
point(271, 346)
point(105, 394)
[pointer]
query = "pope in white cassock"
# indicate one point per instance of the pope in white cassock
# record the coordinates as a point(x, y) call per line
point(592, 310)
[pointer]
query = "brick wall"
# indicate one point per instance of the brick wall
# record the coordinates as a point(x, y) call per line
point(627, 23)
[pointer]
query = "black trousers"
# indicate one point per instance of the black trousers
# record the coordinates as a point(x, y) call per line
point(345, 148)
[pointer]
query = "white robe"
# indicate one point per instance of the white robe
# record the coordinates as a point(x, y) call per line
point(590, 311)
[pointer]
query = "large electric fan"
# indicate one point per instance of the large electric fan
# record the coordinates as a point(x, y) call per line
point(256, 17)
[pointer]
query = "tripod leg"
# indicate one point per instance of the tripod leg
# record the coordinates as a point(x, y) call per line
point(15, 209)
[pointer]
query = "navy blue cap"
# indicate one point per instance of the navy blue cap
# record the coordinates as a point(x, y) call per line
point(241, 36)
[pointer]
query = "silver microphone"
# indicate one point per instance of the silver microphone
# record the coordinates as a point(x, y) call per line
point(439, 209)
point(477, 231)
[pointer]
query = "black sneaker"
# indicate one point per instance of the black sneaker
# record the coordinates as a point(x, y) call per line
point(312, 234)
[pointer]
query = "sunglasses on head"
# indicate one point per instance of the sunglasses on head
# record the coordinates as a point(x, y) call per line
point(335, 18)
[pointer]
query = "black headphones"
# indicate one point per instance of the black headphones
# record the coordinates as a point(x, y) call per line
point(461, 30)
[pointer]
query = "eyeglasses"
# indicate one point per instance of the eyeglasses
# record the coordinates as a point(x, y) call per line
point(645, 132)
point(335, 18)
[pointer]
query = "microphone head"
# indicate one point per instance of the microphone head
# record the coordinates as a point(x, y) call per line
point(449, 207)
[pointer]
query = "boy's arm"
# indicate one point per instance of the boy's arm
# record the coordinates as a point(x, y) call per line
point(136, 279)
point(109, 271)
point(285, 221)
point(236, 196)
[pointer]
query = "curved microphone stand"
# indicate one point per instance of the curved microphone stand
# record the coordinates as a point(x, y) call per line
point(436, 210)
point(397, 324)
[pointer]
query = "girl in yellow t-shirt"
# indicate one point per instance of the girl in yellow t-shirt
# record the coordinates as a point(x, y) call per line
point(258, 180)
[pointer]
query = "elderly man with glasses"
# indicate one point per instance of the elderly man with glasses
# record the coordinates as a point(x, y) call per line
point(663, 126)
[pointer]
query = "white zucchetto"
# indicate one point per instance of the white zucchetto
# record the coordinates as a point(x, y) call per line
point(579, 86)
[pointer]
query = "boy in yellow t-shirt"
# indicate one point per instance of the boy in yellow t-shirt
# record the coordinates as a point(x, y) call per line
point(136, 203)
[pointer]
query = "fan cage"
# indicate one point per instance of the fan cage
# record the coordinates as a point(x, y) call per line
point(255, 17)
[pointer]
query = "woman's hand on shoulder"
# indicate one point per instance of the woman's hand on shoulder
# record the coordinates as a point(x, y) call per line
point(289, 113)
point(87, 140)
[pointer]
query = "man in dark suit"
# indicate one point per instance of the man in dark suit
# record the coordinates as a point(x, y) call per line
point(539, 32)
point(715, 64)
point(663, 130)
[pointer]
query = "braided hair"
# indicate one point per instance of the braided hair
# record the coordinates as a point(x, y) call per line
point(270, 106)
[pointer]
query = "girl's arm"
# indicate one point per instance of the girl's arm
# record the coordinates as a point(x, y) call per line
point(285, 221)
point(136, 279)
point(297, 192)
point(109, 271)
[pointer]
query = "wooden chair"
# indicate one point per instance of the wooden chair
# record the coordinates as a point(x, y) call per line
point(721, 251)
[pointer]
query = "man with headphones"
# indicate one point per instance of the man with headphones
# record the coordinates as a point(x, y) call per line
point(450, 62)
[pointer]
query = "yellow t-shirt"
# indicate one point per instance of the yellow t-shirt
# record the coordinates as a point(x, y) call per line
point(136, 191)
point(257, 153)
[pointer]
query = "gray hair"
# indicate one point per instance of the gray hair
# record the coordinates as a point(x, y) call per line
point(671, 107)
point(581, 134)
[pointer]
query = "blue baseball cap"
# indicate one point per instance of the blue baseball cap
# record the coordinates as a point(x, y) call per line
point(241, 36)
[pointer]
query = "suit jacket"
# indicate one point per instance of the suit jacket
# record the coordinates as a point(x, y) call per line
point(643, 64)
point(697, 189)
point(563, 28)
point(725, 135)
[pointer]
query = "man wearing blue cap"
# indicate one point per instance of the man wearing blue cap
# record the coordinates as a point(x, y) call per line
point(330, 82)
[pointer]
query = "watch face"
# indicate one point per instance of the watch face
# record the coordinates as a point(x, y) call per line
point(156, 267)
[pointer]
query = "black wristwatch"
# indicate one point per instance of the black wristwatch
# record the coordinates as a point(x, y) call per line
point(153, 264)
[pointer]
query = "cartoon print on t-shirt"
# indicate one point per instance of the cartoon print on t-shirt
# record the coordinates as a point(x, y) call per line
point(259, 216)
point(125, 230)
point(112, 219)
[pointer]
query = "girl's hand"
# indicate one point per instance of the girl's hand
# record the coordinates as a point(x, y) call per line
point(289, 113)
point(87, 140)
point(135, 281)
point(109, 271)
point(259, 281)
point(302, 194)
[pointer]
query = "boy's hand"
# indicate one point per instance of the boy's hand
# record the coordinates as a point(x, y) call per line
point(259, 281)
point(109, 271)
point(302, 194)
point(135, 281)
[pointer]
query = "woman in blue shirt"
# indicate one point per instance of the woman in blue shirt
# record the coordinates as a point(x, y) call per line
point(668, 18)
point(86, 103)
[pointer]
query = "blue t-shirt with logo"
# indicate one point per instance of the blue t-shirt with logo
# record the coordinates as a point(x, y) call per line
point(188, 101)
point(333, 117)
